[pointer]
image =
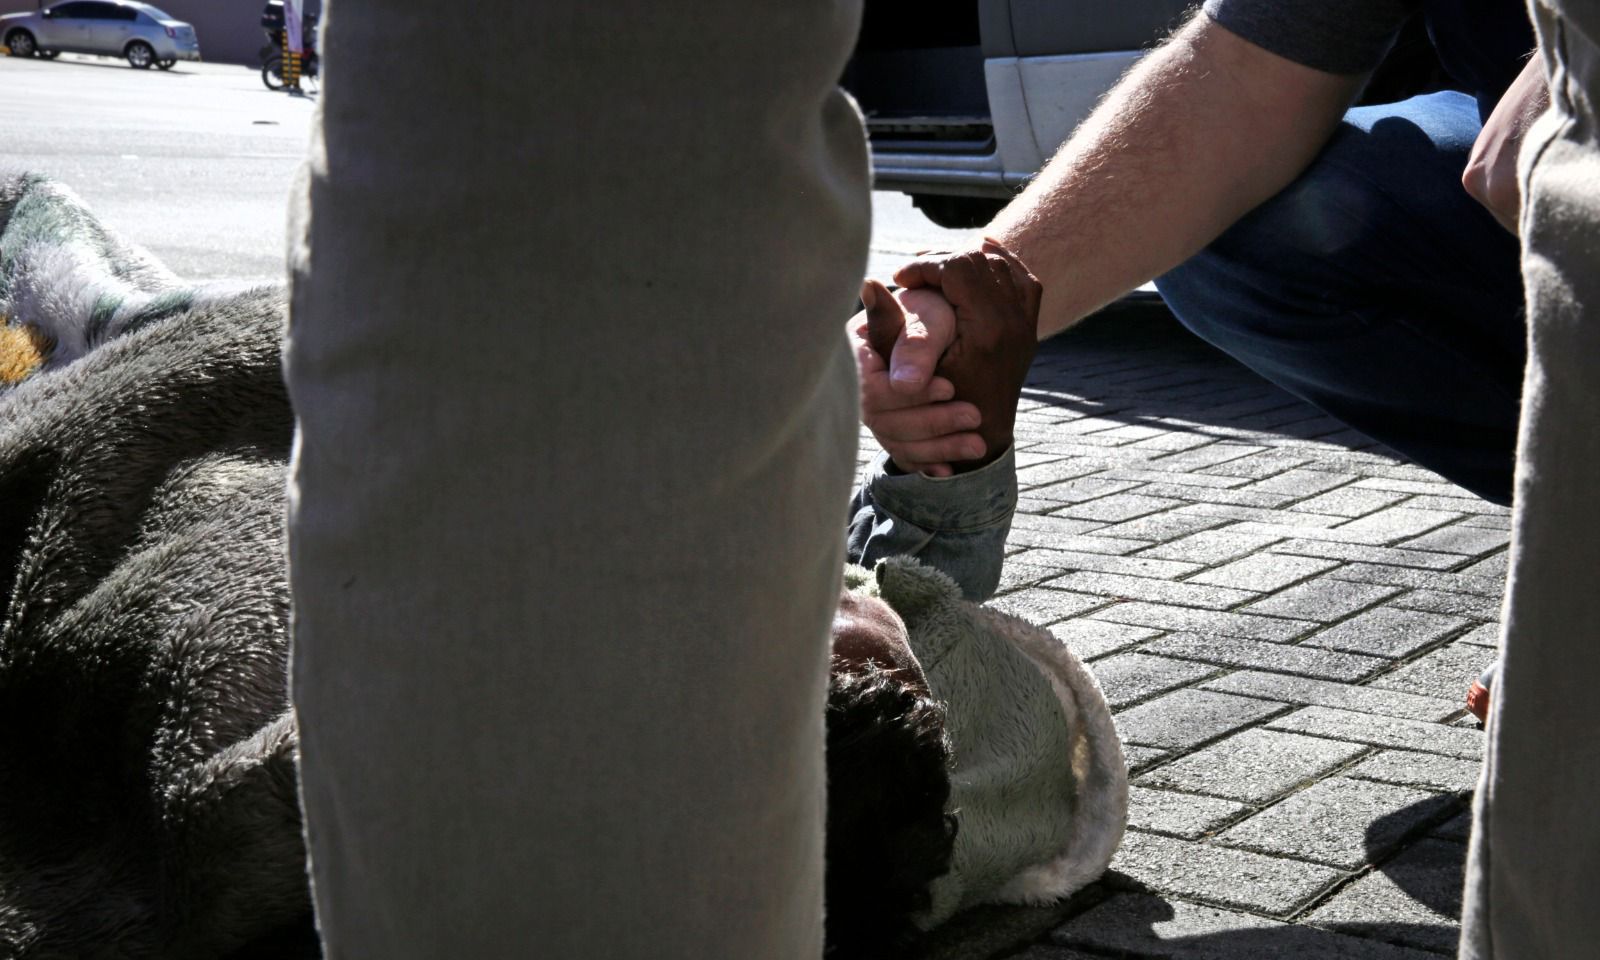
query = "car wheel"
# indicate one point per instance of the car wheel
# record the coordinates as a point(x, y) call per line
point(140, 55)
point(21, 43)
point(49, 54)
point(165, 64)
point(957, 213)
point(272, 73)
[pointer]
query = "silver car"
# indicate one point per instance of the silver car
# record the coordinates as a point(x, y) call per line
point(141, 33)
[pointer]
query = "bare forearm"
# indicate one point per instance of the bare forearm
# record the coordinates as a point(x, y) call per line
point(1203, 130)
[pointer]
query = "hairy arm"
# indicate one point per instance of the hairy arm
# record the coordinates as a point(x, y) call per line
point(1200, 132)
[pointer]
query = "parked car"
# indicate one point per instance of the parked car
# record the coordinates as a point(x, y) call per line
point(966, 99)
point(143, 34)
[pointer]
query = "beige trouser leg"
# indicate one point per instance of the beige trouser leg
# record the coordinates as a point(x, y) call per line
point(576, 430)
point(1533, 884)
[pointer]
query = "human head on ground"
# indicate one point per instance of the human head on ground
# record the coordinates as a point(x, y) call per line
point(888, 761)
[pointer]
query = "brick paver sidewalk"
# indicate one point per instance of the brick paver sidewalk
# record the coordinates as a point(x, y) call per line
point(1285, 618)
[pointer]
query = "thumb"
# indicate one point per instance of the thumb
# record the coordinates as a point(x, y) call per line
point(929, 327)
point(885, 318)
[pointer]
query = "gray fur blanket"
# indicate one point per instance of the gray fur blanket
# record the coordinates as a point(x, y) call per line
point(148, 806)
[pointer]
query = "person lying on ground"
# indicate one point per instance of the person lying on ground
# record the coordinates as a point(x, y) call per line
point(151, 806)
point(1362, 258)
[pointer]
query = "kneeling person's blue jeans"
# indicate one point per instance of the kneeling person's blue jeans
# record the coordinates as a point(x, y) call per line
point(1377, 289)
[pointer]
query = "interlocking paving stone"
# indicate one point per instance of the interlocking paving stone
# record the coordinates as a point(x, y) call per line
point(1456, 828)
point(1322, 599)
point(1184, 718)
point(1445, 673)
point(1131, 677)
point(1117, 507)
point(1381, 731)
point(1269, 463)
point(1357, 552)
point(1140, 757)
point(1387, 632)
point(1263, 573)
point(1017, 573)
point(1244, 498)
point(1182, 479)
point(1427, 579)
point(1162, 526)
point(1475, 506)
point(1350, 502)
point(1487, 635)
point(1209, 547)
point(1234, 878)
point(1253, 766)
point(1263, 655)
point(1257, 520)
point(1080, 489)
point(1427, 770)
point(1179, 814)
point(1204, 621)
point(1302, 482)
point(1202, 457)
point(1159, 591)
point(1287, 688)
point(1414, 899)
point(1137, 926)
point(1043, 606)
point(1432, 487)
point(1492, 566)
point(1066, 560)
point(1073, 542)
point(1489, 521)
point(1095, 638)
point(1460, 604)
point(1291, 525)
point(1341, 822)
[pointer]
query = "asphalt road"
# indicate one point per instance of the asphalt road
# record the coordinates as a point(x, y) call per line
point(196, 163)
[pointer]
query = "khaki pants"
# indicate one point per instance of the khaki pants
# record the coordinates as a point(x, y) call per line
point(576, 431)
point(1533, 882)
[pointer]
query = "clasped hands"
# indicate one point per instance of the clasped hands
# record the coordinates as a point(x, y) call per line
point(942, 361)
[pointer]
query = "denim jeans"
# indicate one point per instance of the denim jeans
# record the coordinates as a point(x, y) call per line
point(1375, 288)
point(957, 525)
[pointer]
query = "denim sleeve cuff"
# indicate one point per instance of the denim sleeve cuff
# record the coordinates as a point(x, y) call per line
point(965, 502)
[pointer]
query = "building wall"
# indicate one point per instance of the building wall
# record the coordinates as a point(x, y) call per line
point(229, 30)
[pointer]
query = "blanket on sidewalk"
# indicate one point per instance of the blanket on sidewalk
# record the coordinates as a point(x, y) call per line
point(149, 803)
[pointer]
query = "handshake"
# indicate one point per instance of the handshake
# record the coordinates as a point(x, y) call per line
point(942, 361)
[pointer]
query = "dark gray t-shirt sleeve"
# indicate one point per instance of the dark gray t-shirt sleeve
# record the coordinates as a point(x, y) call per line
point(1339, 36)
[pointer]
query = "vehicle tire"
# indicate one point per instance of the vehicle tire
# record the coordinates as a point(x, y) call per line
point(957, 213)
point(165, 64)
point(49, 54)
point(21, 43)
point(140, 55)
point(272, 72)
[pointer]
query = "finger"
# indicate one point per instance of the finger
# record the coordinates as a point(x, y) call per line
point(940, 450)
point(928, 330)
point(877, 397)
point(885, 317)
point(926, 422)
point(922, 273)
point(961, 278)
point(868, 360)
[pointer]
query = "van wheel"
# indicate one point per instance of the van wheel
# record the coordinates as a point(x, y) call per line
point(957, 213)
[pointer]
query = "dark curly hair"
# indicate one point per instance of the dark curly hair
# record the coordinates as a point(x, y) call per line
point(888, 834)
